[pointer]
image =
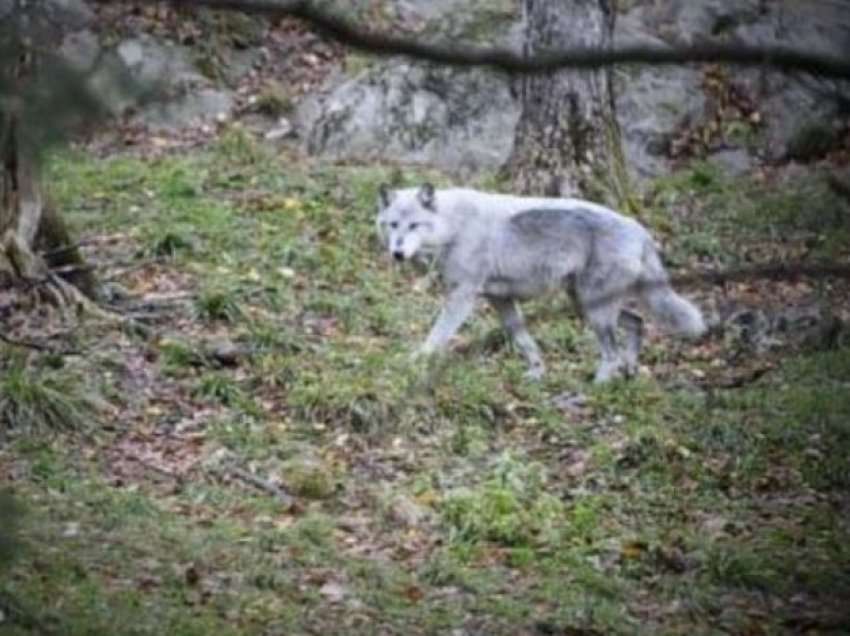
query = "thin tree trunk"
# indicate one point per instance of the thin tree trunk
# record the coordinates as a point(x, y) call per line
point(567, 141)
point(27, 222)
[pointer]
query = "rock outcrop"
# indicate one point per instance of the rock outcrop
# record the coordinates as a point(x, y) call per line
point(410, 112)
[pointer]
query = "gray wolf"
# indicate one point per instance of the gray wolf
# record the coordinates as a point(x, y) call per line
point(506, 248)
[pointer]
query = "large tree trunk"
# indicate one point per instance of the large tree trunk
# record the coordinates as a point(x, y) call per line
point(567, 141)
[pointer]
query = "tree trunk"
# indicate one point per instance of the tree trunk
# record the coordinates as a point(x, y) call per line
point(20, 190)
point(567, 141)
point(27, 223)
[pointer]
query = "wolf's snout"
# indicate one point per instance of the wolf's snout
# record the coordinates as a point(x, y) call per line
point(398, 255)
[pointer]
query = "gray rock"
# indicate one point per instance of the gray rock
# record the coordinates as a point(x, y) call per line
point(159, 64)
point(407, 512)
point(107, 77)
point(80, 49)
point(159, 79)
point(708, 19)
point(653, 103)
point(226, 352)
point(57, 16)
point(191, 108)
point(458, 120)
point(789, 101)
point(735, 161)
point(72, 15)
point(282, 129)
point(397, 110)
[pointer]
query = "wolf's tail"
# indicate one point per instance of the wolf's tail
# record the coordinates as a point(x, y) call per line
point(671, 310)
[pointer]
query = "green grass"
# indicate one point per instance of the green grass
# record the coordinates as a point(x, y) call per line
point(657, 507)
point(725, 213)
point(38, 400)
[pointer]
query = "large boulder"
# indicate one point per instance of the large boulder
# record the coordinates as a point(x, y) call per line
point(155, 78)
point(414, 113)
point(651, 102)
point(419, 113)
point(786, 103)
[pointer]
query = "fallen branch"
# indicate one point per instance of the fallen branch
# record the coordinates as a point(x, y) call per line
point(342, 30)
point(250, 478)
point(73, 269)
point(738, 381)
point(66, 248)
point(771, 271)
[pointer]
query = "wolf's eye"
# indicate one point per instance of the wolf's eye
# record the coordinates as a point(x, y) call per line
point(394, 225)
point(413, 226)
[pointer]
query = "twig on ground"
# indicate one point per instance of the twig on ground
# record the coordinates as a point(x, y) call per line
point(736, 382)
point(250, 478)
point(73, 269)
point(38, 346)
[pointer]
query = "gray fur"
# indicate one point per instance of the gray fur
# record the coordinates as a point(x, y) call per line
point(507, 249)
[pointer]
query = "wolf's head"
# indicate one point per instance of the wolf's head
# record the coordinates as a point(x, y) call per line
point(409, 222)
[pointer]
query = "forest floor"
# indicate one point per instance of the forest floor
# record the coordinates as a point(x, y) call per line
point(249, 450)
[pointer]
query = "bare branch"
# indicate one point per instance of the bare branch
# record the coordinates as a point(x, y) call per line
point(250, 478)
point(342, 30)
point(770, 271)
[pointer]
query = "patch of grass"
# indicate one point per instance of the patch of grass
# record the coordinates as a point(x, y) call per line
point(362, 393)
point(218, 305)
point(811, 140)
point(511, 507)
point(34, 400)
point(719, 218)
point(239, 145)
point(273, 100)
point(171, 243)
point(219, 387)
point(11, 513)
point(178, 355)
point(740, 566)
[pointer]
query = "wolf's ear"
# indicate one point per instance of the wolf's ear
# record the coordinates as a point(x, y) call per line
point(426, 196)
point(385, 195)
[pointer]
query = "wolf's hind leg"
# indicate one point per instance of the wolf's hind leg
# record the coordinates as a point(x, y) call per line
point(600, 304)
point(514, 324)
point(632, 324)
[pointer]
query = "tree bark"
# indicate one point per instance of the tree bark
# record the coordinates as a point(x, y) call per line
point(567, 141)
point(27, 222)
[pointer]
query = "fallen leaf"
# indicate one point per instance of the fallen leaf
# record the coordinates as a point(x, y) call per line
point(633, 549)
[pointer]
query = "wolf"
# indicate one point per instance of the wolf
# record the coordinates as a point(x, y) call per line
point(506, 249)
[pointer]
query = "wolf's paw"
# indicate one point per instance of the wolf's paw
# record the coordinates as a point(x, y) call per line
point(606, 373)
point(629, 368)
point(421, 353)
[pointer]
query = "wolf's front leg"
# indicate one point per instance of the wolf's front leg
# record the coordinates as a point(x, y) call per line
point(458, 307)
point(514, 323)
